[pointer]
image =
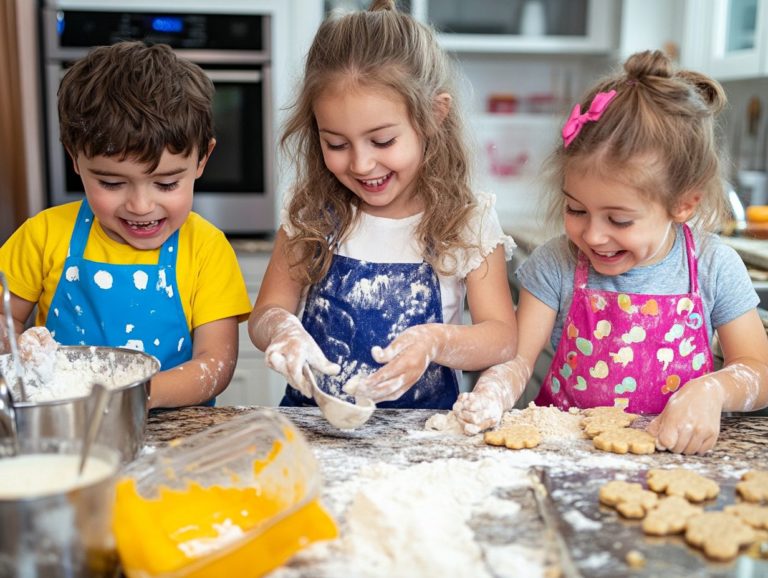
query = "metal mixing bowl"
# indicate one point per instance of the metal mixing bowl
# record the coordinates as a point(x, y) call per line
point(61, 534)
point(125, 415)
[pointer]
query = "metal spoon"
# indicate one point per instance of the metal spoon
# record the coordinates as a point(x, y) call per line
point(7, 415)
point(99, 397)
point(17, 367)
point(340, 413)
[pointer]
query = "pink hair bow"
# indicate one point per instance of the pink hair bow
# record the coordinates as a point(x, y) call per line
point(577, 120)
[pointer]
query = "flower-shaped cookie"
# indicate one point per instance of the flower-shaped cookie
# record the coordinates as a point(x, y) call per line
point(670, 516)
point(720, 535)
point(753, 486)
point(684, 483)
point(754, 515)
point(630, 499)
point(596, 420)
point(514, 437)
point(623, 440)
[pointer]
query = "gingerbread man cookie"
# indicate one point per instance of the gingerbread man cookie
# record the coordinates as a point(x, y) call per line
point(630, 499)
point(720, 535)
point(754, 515)
point(623, 440)
point(670, 516)
point(514, 437)
point(684, 483)
point(753, 486)
point(596, 420)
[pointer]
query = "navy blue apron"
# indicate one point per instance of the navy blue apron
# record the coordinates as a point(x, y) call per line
point(133, 306)
point(358, 305)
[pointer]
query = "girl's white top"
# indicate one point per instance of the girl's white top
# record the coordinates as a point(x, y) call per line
point(382, 240)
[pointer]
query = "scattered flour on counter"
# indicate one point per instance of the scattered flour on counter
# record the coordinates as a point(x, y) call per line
point(515, 561)
point(579, 521)
point(552, 423)
point(444, 423)
point(597, 560)
point(414, 521)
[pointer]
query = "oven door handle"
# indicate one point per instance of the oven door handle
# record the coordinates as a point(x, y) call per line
point(239, 76)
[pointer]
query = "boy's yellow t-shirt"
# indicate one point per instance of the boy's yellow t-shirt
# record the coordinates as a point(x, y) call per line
point(211, 285)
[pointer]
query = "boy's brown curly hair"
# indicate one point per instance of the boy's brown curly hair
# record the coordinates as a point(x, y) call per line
point(135, 101)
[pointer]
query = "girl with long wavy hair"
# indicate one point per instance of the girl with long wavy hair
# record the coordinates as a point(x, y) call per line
point(382, 237)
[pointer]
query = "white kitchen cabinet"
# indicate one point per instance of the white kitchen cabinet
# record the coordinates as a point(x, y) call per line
point(738, 39)
point(522, 26)
point(253, 383)
point(727, 39)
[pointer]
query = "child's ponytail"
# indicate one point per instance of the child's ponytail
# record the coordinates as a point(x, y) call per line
point(382, 5)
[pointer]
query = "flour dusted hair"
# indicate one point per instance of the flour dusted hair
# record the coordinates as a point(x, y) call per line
point(658, 134)
point(377, 48)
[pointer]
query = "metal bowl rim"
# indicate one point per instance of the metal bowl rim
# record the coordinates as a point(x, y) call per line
point(53, 402)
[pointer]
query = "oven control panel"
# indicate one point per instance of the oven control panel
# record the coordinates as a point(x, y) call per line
point(77, 29)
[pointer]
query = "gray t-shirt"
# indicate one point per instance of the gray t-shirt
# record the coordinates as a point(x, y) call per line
point(724, 284)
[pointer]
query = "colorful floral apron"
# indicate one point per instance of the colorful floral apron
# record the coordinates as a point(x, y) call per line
point(359, 304)
point(627, 349)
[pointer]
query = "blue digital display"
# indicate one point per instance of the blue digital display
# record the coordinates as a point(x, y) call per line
point(167, 24)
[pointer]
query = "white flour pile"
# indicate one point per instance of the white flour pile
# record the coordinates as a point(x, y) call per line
point(58, 375)
point(415, 522)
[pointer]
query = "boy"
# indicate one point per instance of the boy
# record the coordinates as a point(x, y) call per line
point(131, 265)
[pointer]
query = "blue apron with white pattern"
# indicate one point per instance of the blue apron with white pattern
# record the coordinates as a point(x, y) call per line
point(358, 305)
point(133, 306)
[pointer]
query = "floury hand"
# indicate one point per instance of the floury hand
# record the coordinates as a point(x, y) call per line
point(496, 391)
point(405, 361)
point(291, 348)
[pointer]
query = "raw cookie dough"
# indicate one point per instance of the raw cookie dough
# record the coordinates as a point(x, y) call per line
point(753, 486)
point(623, 440)
point(514, 437)
point(754, 515)
point(720, 535)
point(630, 499)
point(684, 483)
point(596, 420)
point(635, 559)
point(670, 516)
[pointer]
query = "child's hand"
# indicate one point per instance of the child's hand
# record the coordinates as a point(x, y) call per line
point(480, 409)
point(690, 422)
point(291, 348)
point(36, 344)
point(406, 359)
point(496, 391)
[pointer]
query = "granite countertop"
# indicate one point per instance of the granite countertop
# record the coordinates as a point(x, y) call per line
point(596, 539)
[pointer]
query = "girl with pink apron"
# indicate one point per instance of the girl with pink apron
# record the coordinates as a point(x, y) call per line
point(626, 349)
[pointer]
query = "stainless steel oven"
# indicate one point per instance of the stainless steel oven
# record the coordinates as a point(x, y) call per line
point(236, 191)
